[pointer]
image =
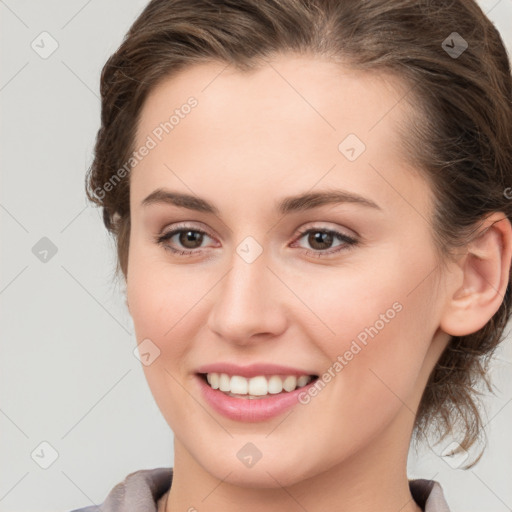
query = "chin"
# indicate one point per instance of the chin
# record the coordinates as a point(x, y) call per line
point(265, 476)
point(271, 472)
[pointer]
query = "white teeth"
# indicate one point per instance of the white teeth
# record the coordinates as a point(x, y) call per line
point(302, 380)
point(255, 386)
point(224, 382)
point(290, 383)
point(275, 385)
point(238, 385)
point(213, 380)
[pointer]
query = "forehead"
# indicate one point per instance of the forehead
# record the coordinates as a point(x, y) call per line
point(290, 121)
point(325, 92)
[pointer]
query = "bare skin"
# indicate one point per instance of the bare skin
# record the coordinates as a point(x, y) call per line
point(252, 140)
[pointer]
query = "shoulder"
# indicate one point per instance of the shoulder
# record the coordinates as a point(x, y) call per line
point(138, 492)
point(428, 494)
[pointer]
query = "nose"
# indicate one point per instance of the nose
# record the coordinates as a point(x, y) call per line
point(248, 303)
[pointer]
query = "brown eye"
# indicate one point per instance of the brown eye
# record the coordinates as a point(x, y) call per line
point(320, 239)
point(189, 238)
point(184, 241)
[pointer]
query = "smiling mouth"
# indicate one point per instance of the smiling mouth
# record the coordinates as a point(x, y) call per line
point(261, 386)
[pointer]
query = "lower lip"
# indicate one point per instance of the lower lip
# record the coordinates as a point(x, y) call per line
point(250, 410)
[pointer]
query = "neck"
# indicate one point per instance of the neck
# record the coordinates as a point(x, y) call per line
point(373, 479)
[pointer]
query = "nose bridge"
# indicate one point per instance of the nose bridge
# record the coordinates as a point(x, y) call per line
point(246, 300)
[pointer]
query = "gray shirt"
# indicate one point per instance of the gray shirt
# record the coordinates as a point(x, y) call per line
point(141, 490)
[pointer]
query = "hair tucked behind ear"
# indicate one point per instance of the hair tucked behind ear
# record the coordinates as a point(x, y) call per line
point(460, 137)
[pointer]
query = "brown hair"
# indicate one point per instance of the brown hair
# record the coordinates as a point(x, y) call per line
point(460, 137)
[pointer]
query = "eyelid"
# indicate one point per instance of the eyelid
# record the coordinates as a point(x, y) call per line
point(349, 233)
point(300, 232)
point(168, 232)
point(182, 226)
point(347, 241)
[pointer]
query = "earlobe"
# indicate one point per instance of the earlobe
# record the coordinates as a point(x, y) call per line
point(485, 276)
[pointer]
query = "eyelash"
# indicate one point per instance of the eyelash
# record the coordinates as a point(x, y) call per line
point(349, 241)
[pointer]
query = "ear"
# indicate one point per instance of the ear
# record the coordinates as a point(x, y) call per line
point(484, 272)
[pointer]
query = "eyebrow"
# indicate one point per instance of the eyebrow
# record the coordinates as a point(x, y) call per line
point(299, 203)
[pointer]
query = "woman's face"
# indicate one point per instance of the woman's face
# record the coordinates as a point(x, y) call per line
point(346, 288)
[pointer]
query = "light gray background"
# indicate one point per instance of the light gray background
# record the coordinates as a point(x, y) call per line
point(68, 373)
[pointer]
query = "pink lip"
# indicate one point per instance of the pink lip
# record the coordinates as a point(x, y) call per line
point(252, 370)
point(250, 410)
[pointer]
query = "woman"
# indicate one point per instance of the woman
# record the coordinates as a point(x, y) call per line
point(310, 205)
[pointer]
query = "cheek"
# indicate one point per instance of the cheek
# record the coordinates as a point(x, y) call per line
point(162, 305)
point(163, 321)
point(379, 331)
point(161, 295)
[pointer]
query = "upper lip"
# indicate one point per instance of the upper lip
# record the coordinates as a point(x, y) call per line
point(252, 370)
